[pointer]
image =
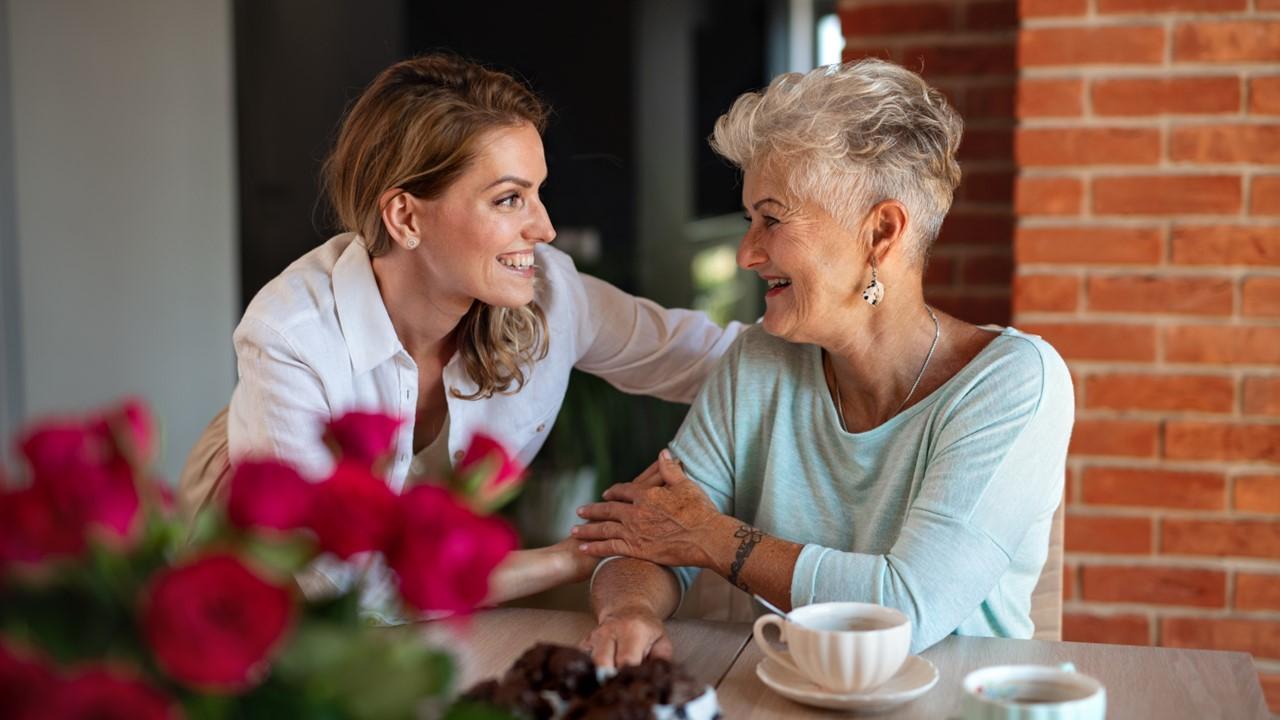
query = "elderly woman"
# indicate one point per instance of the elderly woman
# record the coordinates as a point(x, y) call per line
point(858, 445)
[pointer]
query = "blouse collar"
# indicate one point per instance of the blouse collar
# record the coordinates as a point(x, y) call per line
point(366, 325)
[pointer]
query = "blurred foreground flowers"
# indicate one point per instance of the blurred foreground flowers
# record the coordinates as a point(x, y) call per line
point(110, 607)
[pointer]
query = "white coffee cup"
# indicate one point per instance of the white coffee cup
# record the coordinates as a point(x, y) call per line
point(1033, 692)
point(843, 647)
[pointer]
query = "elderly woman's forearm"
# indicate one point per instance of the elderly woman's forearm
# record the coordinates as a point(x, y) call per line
point(754, 562)
point(627, 584)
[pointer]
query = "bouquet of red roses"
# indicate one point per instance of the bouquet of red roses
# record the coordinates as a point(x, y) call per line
point(112, 607)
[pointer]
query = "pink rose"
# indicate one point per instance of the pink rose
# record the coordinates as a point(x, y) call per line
point(26, 685)
point(32, 528)
point(487, 476)
point(362, 437)
point(54, 448)
point(81, 476)
point(269, 494)
point(353, 511)
point(99, 694)
point(444, 553)
point(132, 431)
point(212, 623)
point(103, 494)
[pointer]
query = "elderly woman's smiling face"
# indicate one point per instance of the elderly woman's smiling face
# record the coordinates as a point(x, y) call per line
point(814, 266)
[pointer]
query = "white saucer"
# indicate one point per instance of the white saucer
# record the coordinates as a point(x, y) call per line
point(916, 677)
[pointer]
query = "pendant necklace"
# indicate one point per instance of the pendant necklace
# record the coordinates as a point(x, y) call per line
point(835, 382)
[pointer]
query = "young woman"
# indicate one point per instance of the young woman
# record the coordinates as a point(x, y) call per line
point(443, 303)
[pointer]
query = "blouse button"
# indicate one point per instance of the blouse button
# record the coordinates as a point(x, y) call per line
point(457, 455)
point(541, 427)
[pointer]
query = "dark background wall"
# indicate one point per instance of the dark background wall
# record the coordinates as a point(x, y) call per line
point(298, 68)
point(576, 54)
point(299, 64)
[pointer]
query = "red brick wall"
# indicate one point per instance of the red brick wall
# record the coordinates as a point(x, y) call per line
point(967, 50)
point(1147, 250)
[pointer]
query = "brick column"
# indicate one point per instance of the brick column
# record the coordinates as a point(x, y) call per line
point(966, 49)
point(1147, 250)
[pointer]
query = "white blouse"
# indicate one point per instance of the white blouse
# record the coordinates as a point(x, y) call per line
point(317, 342)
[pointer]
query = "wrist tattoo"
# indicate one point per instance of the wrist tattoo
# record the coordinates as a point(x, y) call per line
point(750, 537)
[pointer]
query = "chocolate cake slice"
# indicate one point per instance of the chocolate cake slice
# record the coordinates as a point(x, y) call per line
point(550, 682)
point(541, 683)
point(653, 689)
point(566, 671)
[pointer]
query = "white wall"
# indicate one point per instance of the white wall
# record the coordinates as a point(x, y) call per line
point(122, 124)
point(10, 349)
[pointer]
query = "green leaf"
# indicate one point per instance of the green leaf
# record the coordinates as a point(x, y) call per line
point(210, 524)
point(469, 481)
point(208, 707)
point(373, 673)
point(72, 619)
point(316, 648)
point(343, 609)
point(278, 699)
point(284, 554)
point(476, 711)
point(436, 673)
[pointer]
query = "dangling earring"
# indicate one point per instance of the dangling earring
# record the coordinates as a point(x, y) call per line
point(411, 243)
point(875, 291)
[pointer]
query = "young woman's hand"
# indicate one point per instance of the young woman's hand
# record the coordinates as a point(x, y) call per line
point(571, 565)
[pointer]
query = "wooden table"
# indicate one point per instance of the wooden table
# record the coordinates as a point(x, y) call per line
point(1141, 682)
point(497, 637)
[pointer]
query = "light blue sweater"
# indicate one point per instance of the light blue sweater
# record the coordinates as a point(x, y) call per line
point(943, 512)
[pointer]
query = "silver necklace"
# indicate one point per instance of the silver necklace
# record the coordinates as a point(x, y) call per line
point(937, 333)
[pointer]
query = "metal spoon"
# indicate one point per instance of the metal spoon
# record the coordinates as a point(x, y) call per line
point(769, 605)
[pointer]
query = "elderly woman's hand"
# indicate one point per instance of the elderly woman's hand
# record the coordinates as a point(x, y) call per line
point(627, 637)
point(662, 516)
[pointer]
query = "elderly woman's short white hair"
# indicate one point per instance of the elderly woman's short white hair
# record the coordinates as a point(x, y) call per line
point(849, 136)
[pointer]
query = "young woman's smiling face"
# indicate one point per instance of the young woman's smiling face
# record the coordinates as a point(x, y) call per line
point(813, 265)
point(479, 235)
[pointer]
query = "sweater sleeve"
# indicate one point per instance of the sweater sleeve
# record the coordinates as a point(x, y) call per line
point(633, 343)
point(704, 444)
point(994, 469)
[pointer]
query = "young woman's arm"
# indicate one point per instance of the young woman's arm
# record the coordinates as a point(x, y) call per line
point(526, 572)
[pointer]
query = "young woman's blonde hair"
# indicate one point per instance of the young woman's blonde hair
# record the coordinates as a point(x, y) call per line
point(415, 128)
point(850, 136)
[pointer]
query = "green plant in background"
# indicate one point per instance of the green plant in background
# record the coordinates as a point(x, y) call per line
point(615, 436)
point(618, 435)
point(601, 436)
point(718, 289)
point(598, 427)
